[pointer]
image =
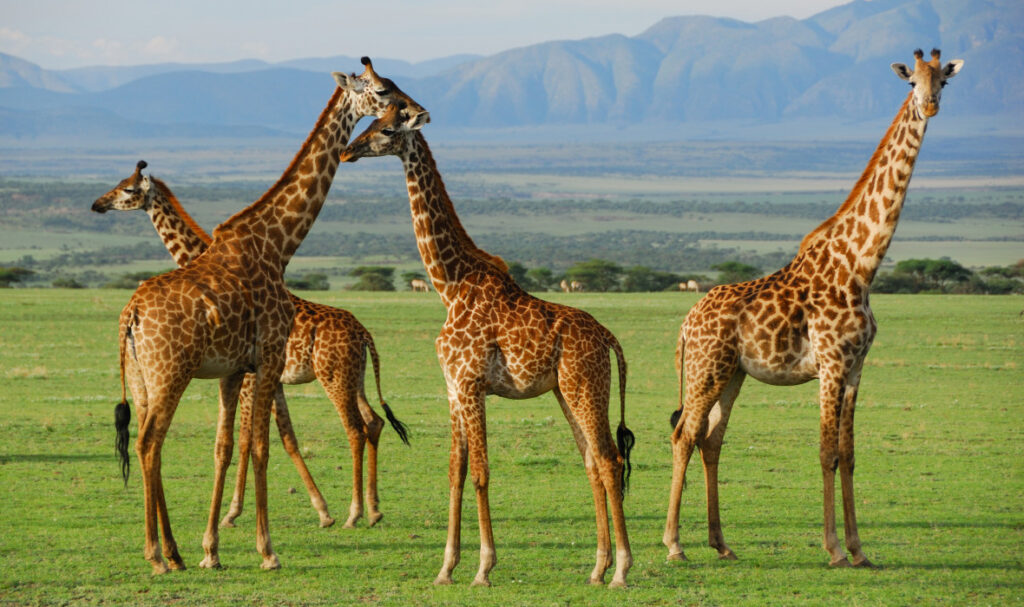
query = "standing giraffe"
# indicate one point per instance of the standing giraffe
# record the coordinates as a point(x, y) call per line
point(227, 314)
point(325, 343)
point(500, 340)
point(809, 320)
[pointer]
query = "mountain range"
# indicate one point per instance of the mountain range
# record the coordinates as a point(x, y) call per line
point(829, 70)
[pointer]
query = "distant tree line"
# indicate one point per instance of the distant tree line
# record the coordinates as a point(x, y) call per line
point(947, 276)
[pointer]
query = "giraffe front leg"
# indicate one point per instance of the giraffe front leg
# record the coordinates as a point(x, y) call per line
point(291, 447)
point(229, 389)
point(846, 466)
point(457, 462)
point(829, 457)
point(476, 437)
point(244, 451)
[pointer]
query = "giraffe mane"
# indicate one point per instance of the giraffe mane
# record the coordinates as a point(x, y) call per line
point(180, 210)
point(288, 174)
point(858, 188)
point(466, 240)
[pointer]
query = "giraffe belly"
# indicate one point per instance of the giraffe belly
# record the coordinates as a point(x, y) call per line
point(801, 370)
point(511, 380)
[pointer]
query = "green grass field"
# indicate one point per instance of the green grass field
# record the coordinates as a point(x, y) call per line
point(940, 473)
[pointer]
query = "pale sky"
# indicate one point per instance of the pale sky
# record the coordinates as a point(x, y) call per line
point(58, 34)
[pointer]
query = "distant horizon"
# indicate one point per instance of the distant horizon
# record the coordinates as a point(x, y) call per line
point(70, 34)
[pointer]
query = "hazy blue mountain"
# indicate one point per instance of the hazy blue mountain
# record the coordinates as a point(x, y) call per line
point(832, 68)
point(18, 73)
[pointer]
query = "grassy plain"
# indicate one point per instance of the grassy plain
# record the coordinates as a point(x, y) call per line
point(940, 480)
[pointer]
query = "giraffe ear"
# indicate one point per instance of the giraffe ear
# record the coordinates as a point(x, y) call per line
point(348, 82)
point(952, 68)
point(902, 70)
point(145, 184)
point(418, 121)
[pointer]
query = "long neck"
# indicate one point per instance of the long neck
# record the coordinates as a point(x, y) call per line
point(184, 238)
point(279, 221)
point(863, 227)
point(448, 253)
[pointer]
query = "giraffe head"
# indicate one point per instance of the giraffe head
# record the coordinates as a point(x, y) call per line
point(134, 192)
point(927, 78)
point(387, 135)
point(373, 94)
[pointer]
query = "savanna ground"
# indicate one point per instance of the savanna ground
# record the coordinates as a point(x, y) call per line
point(940, 480)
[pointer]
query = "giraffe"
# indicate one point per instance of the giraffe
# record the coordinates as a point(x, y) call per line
point(498, 339)
point(811, 319)
point(326, 344)
point(227, 314)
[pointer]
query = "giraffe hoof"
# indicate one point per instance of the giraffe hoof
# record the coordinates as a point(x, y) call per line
point(865, 563)
point(841, 563)
point(176, 564)
point(593, 581)
point(325, 522)
point(728, 555)
point(676, 556)
point(159, 567)
point(227, 522)
point(478, 581)
point(443, 581)
point(374, 518)
point(270, 562)
point(617, 584)
point(210, 562)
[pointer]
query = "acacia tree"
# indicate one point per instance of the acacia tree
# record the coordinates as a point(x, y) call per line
point(596, 274)
point(373, 278)
point(735, 271)
point(10, 275)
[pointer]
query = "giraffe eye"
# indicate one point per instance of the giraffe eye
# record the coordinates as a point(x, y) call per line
point(387, 132)
point(129, 190)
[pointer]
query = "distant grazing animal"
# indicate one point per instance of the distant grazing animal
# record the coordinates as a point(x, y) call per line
point(325, 343)
point(498, 339)
point(419, 285)
point(690, 285)
point(227, 314)
point(564, 285)
point(809, 320)
point(576, 286)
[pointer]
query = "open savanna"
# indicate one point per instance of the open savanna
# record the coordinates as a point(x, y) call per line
point(940, 480)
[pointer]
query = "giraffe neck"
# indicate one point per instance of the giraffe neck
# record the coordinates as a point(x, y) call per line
point(449, 254)
point(863, 227)
point(184, 238)
point(277, 223)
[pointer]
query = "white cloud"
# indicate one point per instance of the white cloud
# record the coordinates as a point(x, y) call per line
point(161, 47)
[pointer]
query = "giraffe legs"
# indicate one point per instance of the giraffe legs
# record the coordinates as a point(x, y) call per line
point(373, 426)
point(153, 427)
point(710, 449)
point(457, 463)
point(694, 428)
point(266, 383)
point(229, 388)
point(291, 447)
point(837, 452)
point(600, 459)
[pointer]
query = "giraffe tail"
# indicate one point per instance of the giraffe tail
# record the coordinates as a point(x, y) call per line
point(122, 412)
point(624, 437)
point(673, 419)
point(401, 429)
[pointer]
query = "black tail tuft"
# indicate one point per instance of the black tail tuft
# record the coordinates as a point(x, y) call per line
point(625, 438)
point(122, 415)
point(400, 428)
point(674, 418)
